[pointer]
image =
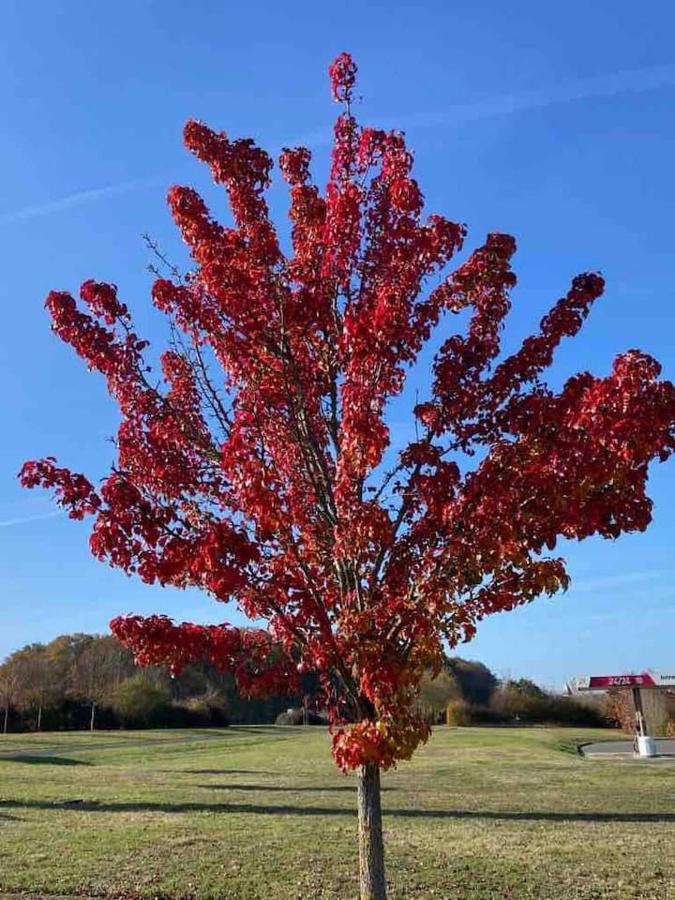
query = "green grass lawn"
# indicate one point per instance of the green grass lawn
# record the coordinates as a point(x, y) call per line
point(261, 812)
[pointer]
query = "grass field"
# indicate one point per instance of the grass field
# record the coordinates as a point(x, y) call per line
point(261, 812)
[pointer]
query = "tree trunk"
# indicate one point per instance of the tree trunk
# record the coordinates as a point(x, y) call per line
point(371, 848)
point(39, 718)
point(4, 727)
point(93, 713)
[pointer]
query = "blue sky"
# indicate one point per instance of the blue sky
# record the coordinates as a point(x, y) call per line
point(551, 121)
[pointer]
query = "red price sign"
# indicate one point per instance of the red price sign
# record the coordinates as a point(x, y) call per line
point(620, 681)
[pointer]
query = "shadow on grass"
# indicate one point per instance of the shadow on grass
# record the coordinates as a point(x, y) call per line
point(219, 772)
point(273, 730)
point(302, 810)
point(43, 760)
point(276, 788)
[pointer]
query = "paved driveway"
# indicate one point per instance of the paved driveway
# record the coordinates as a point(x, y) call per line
point(624, 749)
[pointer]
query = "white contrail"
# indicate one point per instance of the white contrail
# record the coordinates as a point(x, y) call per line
point(603, 583)
point(23, 520)
point(80, 198)
point(610, 85)
point(627, 81)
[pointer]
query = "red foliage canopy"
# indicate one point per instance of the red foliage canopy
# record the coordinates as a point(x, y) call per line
point(255, 470)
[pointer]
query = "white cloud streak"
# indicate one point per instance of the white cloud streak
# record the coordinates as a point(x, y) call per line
point(615, 582)
point(79, 198)
point(579, 89)
point(24, 520)
point(613, 84)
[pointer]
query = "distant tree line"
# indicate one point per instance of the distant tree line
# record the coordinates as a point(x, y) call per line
point(466, 692)
point(82, 681)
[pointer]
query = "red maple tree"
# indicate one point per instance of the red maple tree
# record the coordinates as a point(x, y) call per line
point(255, 470)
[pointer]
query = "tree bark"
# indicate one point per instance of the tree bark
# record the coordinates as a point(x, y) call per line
point(371, 847)
point(93, 713)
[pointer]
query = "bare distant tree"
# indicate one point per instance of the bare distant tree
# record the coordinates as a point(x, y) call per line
point(36, 682)
point(9, 690)
point(99, 668)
